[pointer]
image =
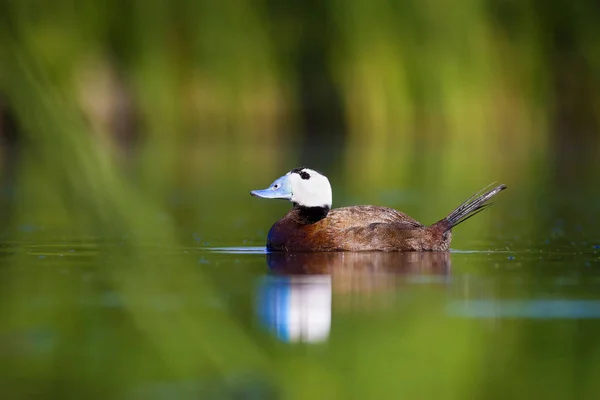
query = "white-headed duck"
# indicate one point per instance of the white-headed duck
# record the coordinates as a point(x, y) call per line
point(311, 225)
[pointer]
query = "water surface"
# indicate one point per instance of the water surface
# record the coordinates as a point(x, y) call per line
point(215, 321)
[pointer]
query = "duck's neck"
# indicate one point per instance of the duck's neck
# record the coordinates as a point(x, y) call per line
point(310, 215)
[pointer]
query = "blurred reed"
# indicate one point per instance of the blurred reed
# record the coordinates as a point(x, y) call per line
point(430, 94)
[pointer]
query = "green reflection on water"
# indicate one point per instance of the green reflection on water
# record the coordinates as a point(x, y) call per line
point(189, 321)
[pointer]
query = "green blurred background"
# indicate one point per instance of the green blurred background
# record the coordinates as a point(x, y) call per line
point(132, 132)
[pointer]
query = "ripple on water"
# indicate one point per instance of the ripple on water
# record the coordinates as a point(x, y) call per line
point(239, 250)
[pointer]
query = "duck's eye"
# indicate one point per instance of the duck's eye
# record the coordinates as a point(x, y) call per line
point(304, 175)
point(275, 186)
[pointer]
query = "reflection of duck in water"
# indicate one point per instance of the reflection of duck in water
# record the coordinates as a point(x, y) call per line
point(364, 272)
point(311, 225)
point(332, 263)
point(295, 300)
point(296, 308)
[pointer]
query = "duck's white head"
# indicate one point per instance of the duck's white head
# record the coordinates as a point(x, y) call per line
point(302, 186)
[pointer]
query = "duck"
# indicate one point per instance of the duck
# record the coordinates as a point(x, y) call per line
point(313, 226)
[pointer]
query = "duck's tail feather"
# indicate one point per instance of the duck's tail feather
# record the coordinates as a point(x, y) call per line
point(473, 205)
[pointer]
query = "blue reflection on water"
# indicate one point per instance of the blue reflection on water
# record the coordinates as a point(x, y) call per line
point(240, 250)
point(535, 309)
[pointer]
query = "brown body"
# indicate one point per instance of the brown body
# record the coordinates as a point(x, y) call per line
point(358, 228)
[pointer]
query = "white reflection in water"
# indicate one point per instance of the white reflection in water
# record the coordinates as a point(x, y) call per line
point(294, 301)
point(296, 308)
